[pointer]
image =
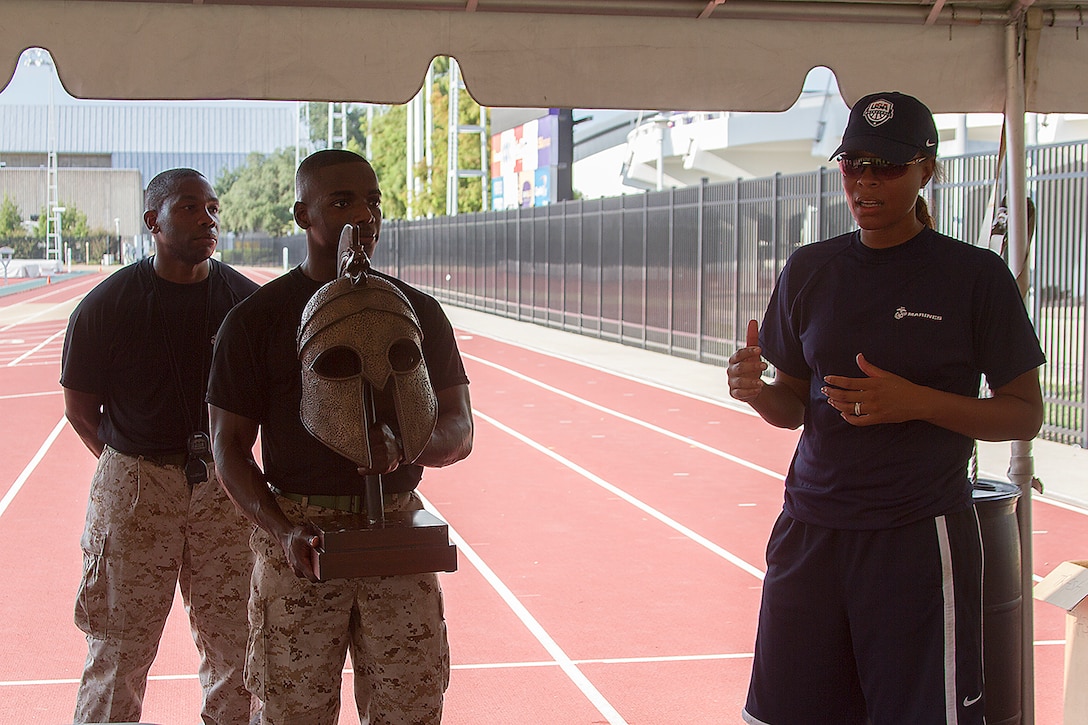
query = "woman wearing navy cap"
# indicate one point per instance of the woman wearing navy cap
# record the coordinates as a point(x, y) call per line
point(872, 603)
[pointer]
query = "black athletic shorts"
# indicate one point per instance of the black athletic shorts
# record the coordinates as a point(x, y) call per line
point(881, 627)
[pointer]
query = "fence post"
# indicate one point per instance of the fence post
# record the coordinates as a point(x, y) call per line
point(700, 242)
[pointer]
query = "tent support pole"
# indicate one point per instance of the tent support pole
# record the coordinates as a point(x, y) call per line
point(1021, 464)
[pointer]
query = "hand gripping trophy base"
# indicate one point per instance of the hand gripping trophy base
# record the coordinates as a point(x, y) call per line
point(374, 543)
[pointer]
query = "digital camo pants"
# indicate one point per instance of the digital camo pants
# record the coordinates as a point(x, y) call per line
point(148, 531)
point(394, 628)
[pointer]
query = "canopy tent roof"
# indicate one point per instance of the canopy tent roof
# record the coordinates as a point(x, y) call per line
point(970, 56)
point(664, 54)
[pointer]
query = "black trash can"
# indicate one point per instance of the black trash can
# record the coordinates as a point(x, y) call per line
point(1002, 600)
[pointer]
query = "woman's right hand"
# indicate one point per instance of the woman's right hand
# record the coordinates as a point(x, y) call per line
point(746, 367)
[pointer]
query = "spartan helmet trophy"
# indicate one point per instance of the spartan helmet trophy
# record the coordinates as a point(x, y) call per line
point(360, 340)
point(360, 346)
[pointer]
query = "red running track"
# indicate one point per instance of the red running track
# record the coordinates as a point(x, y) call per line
point(611, 536)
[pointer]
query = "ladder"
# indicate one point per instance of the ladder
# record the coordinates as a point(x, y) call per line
point(454, 171)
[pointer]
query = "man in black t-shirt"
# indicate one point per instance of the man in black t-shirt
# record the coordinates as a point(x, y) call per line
point(302, 628)
point(134, 372)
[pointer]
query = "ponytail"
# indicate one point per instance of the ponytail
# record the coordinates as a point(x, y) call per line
point(921, 208)
point(921, 211)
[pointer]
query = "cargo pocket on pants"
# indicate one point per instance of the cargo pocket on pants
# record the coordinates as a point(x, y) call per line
point(92, 601)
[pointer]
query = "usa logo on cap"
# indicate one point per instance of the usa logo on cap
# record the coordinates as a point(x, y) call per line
point(878, 112)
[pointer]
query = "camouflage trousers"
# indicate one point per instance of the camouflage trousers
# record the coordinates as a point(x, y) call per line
point(147, 532)
point(393, 627)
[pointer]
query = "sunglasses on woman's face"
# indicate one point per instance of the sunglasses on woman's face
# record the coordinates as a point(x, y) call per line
point(852, 169)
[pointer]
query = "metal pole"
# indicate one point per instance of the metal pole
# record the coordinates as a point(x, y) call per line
point(453, 167)
point(1021, 464)
point(373, 498)
point(410, 157)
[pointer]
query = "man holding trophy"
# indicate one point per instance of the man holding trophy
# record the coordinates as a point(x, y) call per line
point(302, 372)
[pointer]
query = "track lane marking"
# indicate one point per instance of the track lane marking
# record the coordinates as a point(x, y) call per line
point(18, 484)
point(39, 313)
point(35, 349)
point(677, 436)
point(582, 362)
point(637, 503)
point(496, 665)
point(17, 396)
point(631, 419)
point(550, 645)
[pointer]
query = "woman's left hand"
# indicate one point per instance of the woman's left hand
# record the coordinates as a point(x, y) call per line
point(880, 397)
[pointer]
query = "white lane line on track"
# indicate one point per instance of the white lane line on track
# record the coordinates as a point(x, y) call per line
point(29, 318)
point(676, 436)
point(582, 362)
point(17, 396)
point(43, 311)
point(1060, 504)
point(18, 484)
point(35, 349)
point(642, 506)
point(550, 645)
point(1041, 497)
point(498, 665)
point(631, 419)
point(39, 361)
point(53, 292)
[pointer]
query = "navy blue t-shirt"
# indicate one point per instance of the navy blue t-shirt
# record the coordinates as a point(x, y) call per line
point(933, 310)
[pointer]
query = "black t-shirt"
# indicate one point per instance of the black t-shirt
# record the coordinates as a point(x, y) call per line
point(933, 310)
point(117, 348)
point(256, 373)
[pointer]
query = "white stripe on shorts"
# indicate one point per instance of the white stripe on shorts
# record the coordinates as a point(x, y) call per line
point(948, 588)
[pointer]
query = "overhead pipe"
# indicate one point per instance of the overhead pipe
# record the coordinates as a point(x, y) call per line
point(835, 12)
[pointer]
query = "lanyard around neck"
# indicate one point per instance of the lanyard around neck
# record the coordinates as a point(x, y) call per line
point(174, 366)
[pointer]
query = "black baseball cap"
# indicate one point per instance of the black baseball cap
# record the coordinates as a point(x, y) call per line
point(891, 125)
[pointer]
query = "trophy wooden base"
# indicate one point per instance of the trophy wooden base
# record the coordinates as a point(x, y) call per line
point(405, 542)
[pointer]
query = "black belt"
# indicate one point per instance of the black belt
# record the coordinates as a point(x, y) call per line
point(351, 504)
point(177, 460)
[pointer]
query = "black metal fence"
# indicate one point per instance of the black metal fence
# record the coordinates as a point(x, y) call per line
point(682, 271)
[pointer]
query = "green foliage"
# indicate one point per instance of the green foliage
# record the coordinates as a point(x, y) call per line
point(259, 196)
point(26, 247)
point(84, 250)
point(388, 159)
point(73, 223)
point(11, 219)
point(432, 200)
point(355, 127)
point(389, 152)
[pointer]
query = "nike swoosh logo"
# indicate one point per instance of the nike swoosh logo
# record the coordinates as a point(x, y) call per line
point(969, 701)
point(931, 144)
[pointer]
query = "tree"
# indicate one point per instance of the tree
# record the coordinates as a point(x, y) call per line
point(388, 159)
point(355, 126)
point(389, 152)
point(11, 219)
point(73, 223)
point(259, 196)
